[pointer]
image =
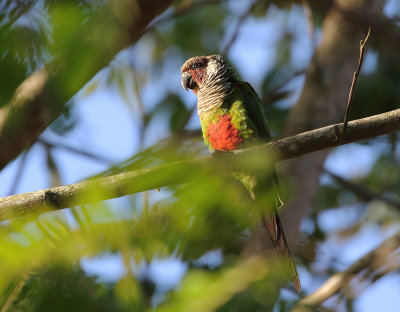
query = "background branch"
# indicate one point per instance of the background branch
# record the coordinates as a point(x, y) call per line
point(155, 177)
point(371, 261)
point(245, 15)
point(362, 192)
point(40, 99)
point(180, 10)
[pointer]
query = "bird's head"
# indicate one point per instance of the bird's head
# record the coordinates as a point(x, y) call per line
point(200, 71)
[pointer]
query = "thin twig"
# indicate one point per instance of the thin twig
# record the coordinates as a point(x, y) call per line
point(55, 177)
point(363, 192)
point(239, 23)
point(150, 178)
point(74, 150)
point(355, 76)
point(19, 173)
point(267, 97)
point(140, 105)
point(179, 10)
point(372, 260)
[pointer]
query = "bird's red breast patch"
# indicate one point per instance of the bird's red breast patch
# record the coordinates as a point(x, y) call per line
point(222, 135)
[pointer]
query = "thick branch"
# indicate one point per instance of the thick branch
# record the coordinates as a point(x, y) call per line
point(372, 260)
point(41, 97)
point(155, 177)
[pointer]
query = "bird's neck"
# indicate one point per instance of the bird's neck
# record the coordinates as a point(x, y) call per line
point(213, 92)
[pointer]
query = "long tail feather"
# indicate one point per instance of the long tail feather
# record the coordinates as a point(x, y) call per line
point(273, 225)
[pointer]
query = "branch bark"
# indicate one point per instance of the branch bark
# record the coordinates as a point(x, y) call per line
point(372, 260)
point(40, 99)
point(159, 176)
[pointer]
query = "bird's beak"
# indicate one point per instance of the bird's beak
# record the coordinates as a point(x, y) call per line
point(187, 81)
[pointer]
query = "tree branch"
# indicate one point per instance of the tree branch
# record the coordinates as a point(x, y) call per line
point(40, 99)
point(362, 192)
point(158, 176)
point(372, 260)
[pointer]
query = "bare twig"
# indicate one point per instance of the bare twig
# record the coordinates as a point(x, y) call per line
point(180, 10)
point(158, 176)
point(239, 23)
point(19, 173)
point(267, 97)
point(373, 260)
point(142, 111)
point(355, 76)
point(54, 172)
point(75, 150)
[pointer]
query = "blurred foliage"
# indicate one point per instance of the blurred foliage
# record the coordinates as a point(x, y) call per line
point(24, 34)
point(41, 256)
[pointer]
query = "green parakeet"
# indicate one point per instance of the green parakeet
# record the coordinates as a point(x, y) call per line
point(231, 116)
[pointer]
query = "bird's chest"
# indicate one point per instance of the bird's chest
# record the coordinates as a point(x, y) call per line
point(221, 134)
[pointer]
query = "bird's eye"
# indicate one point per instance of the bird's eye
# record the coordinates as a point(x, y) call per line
point(196, 65)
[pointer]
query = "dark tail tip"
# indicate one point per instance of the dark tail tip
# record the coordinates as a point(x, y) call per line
point(296, 283)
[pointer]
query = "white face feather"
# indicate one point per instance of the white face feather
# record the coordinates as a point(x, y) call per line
point(216, 84)
point(212, 68)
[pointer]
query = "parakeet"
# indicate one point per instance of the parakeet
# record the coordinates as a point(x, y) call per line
point(231, 116)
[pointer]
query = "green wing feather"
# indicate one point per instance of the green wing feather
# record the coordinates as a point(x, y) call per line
point(256, 113)
point(271, 221)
